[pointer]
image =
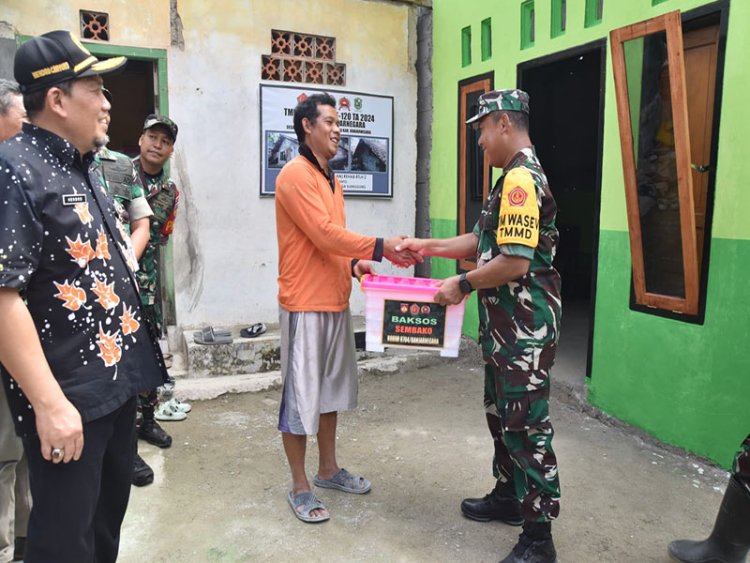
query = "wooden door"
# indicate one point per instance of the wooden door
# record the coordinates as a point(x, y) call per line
point(473, 165)
point(701, 52)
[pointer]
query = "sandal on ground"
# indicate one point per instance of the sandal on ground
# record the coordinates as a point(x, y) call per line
point(217, 331)
point(303, 504)
point(345, 481)
point(176, 404)
point(165, 412)
point(209, 336)
point(252, 331)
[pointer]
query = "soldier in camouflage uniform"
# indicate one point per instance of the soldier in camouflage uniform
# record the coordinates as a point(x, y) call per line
point(157, 146)
point(514, 242)
point(156, 143)
point(118, 175)
point(729, 541)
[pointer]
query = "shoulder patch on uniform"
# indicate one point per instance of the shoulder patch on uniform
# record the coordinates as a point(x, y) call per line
point(518, 221)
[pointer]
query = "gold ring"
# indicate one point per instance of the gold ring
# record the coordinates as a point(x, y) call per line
point(57, 452)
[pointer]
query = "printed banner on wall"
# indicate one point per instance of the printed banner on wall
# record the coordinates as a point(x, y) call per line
point(364, 161)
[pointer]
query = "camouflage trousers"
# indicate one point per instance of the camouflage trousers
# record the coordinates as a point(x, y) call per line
point(154, 318)
point(147, 403)
point(741, 466)
point(149, 400)
point(522, 432)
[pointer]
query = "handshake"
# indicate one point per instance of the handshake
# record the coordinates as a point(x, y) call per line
point(402, 251)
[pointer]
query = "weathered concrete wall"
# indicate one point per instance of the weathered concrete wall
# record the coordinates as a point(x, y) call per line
point(214, 87)
point(140, 23)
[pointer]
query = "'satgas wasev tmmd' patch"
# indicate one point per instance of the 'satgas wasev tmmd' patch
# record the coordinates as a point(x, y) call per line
point(518, 222)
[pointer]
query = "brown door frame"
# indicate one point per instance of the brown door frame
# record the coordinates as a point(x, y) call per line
point(481, 83)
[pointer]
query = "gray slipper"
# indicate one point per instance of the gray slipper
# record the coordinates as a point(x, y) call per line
point(209, 336)
point(217, 331)
point(307, 502)
point(345, 481)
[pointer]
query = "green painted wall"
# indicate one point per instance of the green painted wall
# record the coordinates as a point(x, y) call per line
point(686, 384)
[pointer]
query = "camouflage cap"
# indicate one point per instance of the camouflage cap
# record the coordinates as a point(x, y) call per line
point(506, 100)
point(155, 119)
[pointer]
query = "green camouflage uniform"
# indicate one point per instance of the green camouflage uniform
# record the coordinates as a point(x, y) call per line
point(741, 467)
point(163, 197)
point(117, 173)
point(519, 327)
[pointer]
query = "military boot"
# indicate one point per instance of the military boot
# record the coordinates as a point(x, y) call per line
point(534, 545)
point(500, 504)
point(142, 474)
point(149, 429)
point(729, 541)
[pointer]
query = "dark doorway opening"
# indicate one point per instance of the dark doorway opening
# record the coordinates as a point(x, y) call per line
point(132, 100)
point(566, 125)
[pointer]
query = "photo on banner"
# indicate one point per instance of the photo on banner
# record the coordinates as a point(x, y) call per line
point(364, 160)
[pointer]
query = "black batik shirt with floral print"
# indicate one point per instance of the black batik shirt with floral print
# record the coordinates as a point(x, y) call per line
point(63, 248)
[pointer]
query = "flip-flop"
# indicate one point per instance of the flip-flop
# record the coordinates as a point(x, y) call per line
point(345, 481)
point(217, 332)
point(252, 331)
point(307, 502)
point(208, 336)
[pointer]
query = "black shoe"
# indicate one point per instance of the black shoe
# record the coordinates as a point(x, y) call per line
point(154, 434)
point(497, 505)
point(142, 474)
point(534, 545)
point(19, 549)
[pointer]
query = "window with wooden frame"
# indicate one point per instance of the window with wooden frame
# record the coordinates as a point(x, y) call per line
point(473, 165)
point(665, 81)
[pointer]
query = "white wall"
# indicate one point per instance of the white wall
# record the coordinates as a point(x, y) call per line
point(225, 252)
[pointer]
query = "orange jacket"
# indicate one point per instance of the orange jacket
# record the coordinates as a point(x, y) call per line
point(315, 248)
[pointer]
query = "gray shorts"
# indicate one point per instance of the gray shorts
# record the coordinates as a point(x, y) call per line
point(318, 368)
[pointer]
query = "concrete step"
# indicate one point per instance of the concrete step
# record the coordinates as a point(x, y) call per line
point(391, 361)
point(243, 356)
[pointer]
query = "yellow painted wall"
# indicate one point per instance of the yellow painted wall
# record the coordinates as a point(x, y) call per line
point(374, 33)
point(132, 23)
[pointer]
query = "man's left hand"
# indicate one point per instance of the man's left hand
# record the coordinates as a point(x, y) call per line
point(449, 292)
point(363, 267)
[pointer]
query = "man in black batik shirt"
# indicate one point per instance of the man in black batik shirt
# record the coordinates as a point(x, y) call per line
point(73, 342)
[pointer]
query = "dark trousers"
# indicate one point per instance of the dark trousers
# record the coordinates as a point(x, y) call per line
point(79, 506)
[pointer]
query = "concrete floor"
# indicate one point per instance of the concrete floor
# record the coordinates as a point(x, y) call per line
point(419, 436)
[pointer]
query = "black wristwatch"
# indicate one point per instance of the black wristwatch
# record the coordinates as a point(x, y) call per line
point(464, 285)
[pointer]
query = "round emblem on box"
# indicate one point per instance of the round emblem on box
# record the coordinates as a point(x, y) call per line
point(517, 196)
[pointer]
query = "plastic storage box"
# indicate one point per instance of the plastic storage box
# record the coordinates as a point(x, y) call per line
point(400, 312)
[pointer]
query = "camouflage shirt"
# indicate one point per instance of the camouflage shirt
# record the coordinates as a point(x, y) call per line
point(163, 197)
point(116, 172)
point(519, 322)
